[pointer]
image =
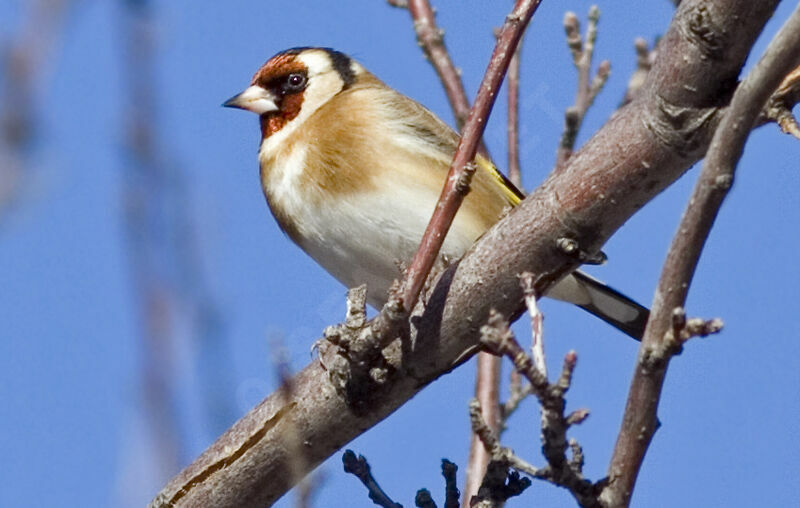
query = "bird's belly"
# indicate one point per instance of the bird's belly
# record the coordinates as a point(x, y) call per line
point(368, 239)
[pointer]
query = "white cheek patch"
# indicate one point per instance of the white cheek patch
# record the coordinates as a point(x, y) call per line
point(317, 62)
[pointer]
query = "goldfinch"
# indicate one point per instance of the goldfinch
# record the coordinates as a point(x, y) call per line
point(352, 169)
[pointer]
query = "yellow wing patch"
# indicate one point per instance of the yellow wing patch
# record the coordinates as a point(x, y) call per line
point(510, 191)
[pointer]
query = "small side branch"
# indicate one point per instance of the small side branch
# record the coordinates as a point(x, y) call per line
point(499, 483)
point(517, 393)
point(431, 39)
point(359, 371)
point(645, 57)
point(514, 169)
point(537, 328)
point(487, 391)
point(561, 470)
point(451, 493)
point(780, 104)
point(582, 50)
point(359, 467)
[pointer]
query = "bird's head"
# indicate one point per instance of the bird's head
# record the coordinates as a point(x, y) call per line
point(293, 84)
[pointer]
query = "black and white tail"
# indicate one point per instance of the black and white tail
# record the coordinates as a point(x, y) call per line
point(603, 301)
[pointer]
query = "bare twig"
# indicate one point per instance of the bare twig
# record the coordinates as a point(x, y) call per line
point(431, 39)
point(514, 170)
point(667, 328)
point(499, 485)
point(423, 499)
point(492, 443)
point(517, 395)
point(582, 52)
point(460, 174)
point(779, 106)
point(488, 367)
point(487, 391)
point(537, 330)
point(462, 168)
point(359, 467)
point(644, 62)
point(451, 493)
point(560, 470)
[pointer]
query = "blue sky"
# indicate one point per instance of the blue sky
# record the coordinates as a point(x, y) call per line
point(75, 432)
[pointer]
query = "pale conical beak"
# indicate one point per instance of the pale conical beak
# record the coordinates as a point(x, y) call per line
point(255, 99)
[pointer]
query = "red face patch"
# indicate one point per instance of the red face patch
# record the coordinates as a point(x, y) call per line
point(280, 76)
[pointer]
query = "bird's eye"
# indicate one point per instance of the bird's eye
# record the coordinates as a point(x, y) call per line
point(294, 82)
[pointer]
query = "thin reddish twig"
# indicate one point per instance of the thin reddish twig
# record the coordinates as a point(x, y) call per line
point(459, 175)
point(431, 39)
point(487, 378)
point(514, 171)
point(660, 343)
point(487, 393)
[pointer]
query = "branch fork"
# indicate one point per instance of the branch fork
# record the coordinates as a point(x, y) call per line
point(356, 364)
point(561, 470)
point(582, 50)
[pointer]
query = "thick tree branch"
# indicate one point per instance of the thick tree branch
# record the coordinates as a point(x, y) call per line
point(663, 337)
point(646, 146)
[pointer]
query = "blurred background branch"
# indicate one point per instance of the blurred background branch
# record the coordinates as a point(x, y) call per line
point(176, 309)
point(24, 65)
